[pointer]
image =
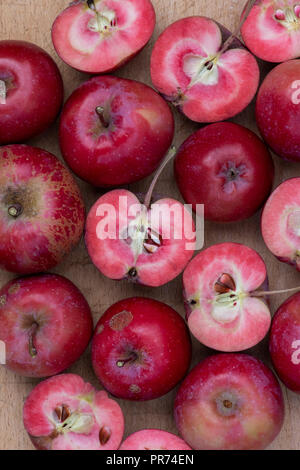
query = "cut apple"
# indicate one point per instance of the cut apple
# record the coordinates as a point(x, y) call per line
point(153, 439)
point(206, 81)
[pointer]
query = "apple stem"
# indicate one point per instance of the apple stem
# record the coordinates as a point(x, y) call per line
point(32, 333)
point(15, 210)
point(171, 153)
point(3, 91)
point(101, 111)
point(229, 41)
point(274, 292)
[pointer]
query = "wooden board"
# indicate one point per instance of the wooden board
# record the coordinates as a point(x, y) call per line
point(31, 20)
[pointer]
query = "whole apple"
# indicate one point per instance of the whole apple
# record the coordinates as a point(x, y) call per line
point(141, 349)
point(229, 402)
point(45, 323)
point(285, 342)
point(31, 91)
point(98, 36)
point(41, 210)
point(115, 131)
point(153, 439)
point(227, 168)
point(66, 413)
point(194, 68)
point(278, 110)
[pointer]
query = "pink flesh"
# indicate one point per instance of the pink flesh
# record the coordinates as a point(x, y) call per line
point(280, 221)
point(90, 51)
point(70, 390)
point(238, 73)
point(114, 258)
point(268, 38)
point(153, 439)
point(250, 320)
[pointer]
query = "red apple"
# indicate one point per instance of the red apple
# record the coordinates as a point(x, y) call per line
point(278, 110)
point(98, 36)
point(225, 310)
point(272, 30)
point(193, 69)
point(31, 91)
point(280, 222)
point(41, 210)
point(229, 402)
point(65, 413)
point(115, 131)
point(141, 349)
point(45, 323)
point(233, 166)
point(285, 342)
point(153, 439)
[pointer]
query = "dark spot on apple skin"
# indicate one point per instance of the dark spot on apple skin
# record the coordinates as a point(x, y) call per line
point(119, 321)
point(134, 388)
point(2, 300)
point(14, 288)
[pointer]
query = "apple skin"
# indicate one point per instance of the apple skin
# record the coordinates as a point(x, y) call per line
point(150, 342)
point(139, 133)
point(66, 413)
point(229, 402)
point(153, 439)
point(227, 168)
point(34, 91)
point(88, 50)
point(285, 342)
point(278, 111)
point(52, 311)
point(49, 213)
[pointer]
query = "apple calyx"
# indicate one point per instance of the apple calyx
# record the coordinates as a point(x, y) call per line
point(80, 423)
point(227, 404)
point(101, 112)
point(3, 91)
point(102, 22)
point(15, 210)
point(289, 17)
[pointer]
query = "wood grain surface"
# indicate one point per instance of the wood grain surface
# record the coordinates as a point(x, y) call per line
point(31, 20)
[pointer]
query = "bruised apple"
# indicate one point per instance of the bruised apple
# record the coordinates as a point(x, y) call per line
point(229, 402)
point(226, 310)
point(115, 131)
point(41, 210)
point(66, 413)
point(45, 324)
point(98, 36)
point(153, 439)
point(208, 79)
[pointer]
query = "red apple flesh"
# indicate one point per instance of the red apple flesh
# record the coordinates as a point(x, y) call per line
point(41, 210)
point(101, 35)
point(280, 222)
point(229, 402)
point(115, 131)
point(153, 439)
point(190, 69)
point(272, 30)
point(220, 291)
point(278, 110)
point(45, 323)
point(227, 168)
point(285, 342)
point(31, 91)
point(141, 349)
point(65, 413)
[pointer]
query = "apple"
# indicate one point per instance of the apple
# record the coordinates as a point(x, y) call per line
point(234, 167)
point(153, 439)
point(272, 30)
point(278, 110)
point(280, 222)
point(98, 36)
point(229, 402)
point(45, 323)
point(225, 306)
point(115, 131)
point(41, 210)
point(141, 349)
point(285, 342)
point(144, 243)
point(66, 413)
point(207, 78)
point(31, 91)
